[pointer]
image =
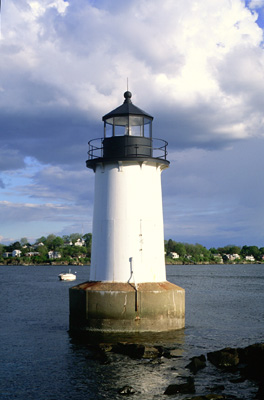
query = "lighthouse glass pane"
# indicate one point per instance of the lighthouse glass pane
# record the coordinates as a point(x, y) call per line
point(120, 130)
point(121, 121)
point(109, 130)
point(135, 127)
point(135, 120)
point(147, 128)
point(135, 131)
point(120, 124)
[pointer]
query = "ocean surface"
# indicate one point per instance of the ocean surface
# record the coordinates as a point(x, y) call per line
point(40, 361)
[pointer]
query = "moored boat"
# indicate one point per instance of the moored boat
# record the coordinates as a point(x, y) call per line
point(67, 276)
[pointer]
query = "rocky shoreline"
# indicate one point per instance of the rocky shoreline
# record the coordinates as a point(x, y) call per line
point(171, 263)
point(244, 364)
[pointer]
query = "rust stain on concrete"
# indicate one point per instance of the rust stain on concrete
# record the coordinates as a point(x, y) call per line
point(126, 287)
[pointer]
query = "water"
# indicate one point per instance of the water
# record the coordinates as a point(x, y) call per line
point(38, 359)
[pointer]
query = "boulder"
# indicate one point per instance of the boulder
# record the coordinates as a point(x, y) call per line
point(252, 357)
point(132, 350)
point(260, 392)
point(196, 364)
point(97, 353)
point(175, 353)
point(186, 387)
point(151, 352)
point(227, 358)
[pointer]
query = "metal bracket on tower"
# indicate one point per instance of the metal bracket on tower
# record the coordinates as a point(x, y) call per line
point(120, 166)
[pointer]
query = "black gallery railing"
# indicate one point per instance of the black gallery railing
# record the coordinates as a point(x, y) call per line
point(155, 148)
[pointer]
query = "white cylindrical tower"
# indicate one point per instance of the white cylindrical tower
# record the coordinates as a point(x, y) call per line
point(128, 264)
point(128, 242)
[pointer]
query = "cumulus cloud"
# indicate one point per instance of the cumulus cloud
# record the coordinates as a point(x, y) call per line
point(57, 184)
point(197, 67)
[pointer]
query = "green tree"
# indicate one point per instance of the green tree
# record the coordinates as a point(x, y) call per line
point(49, 240)
point(2, 249)
point(170, 246)
point(57, 243)
point(74, 237)
point(88, 243)
point(213, 250)
point(197, 252)
point(229, 249)
point(180, 249)
point(23, 241)
point(88, 238)
point(261, 251)
point(251, 251)
point(66, 238)
point(15, 246)
point(42, 239)
point(42, 250)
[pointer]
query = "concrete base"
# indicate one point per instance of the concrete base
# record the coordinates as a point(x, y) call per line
point(122, 307)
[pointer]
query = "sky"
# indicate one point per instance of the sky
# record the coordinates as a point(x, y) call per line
point(196, 66)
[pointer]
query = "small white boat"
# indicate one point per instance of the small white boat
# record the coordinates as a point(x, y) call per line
point(67, 276)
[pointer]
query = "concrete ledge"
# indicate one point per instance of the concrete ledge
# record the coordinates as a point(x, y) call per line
point(122, 307)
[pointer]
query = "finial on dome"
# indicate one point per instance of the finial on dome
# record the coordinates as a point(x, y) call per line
point(127, 96)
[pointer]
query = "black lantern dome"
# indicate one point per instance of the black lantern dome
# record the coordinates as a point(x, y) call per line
point(128, 120)
point(127, 136)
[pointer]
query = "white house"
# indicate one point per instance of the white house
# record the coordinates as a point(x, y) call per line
point(232, 257)
point(54, 254)
point(79, 242)
point(174, 255)
point(40, 244)
point(16, 253)
point(250, 258)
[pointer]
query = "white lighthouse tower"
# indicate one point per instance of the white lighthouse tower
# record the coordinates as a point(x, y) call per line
point(127, 290)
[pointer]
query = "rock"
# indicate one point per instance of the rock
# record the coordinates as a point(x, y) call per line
point(129, 349)
point(106, 347)
point(176, 353)
point(126, 390)
point(166, 353)
point(260, 392)
point(197, 363)
point(151, 352)
point(97, 353)
point(227, 358)
point(253, 359)
point(134, 350)
point(187, 387)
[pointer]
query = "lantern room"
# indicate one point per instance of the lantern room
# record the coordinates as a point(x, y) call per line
point(127, 135)
point(128, 120)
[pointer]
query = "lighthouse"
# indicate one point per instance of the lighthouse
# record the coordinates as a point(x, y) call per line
point(127, 291)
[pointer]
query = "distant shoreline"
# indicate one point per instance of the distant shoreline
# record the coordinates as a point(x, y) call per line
point(167, 263)
point(213, 263)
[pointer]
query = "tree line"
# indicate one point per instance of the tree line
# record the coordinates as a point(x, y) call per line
point(199, 253)
point(38, 253)
point(71, 253)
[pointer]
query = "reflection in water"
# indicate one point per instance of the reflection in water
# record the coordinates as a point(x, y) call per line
point(148, 377)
